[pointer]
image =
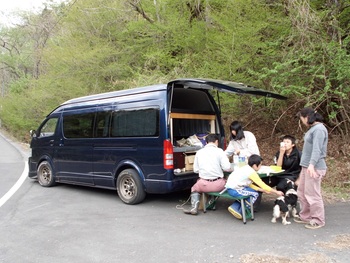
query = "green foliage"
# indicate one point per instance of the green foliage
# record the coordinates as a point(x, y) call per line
point(17, 117)
point(298, 48)
point(19, 86)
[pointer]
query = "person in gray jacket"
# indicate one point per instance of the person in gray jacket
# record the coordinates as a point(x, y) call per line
point(313, 169)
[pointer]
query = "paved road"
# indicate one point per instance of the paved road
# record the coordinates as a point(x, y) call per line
point(12, 165)
point(76, 224)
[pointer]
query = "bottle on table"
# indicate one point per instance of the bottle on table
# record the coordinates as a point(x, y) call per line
point(241, 160)
point(235, 161)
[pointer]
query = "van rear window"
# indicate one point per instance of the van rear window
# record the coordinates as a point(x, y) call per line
point(191, 100)
point(135, 123)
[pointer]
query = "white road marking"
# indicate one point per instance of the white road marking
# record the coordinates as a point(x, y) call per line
point(16, 186)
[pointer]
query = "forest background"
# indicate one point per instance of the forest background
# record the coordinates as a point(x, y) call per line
point(297, 48)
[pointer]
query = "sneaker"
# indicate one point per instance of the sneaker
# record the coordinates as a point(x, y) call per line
point(300, 221)
point(313, 225)
point(234, 210)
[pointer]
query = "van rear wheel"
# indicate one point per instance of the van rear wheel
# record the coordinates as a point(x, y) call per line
point(45, 174)
point(129, 187)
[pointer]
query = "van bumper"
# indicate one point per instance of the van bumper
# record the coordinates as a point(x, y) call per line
point(177, 184)
point(32, 168)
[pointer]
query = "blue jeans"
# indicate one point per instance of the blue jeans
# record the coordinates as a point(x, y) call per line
point(246, 191)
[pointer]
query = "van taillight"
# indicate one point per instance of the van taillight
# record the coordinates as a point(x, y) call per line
point(168, 155)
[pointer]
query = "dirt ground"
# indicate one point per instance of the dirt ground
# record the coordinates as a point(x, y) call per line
point(340, 242)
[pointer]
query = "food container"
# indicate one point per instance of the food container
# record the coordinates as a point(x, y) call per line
point(275, 168)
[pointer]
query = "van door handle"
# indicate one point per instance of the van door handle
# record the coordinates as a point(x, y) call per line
point(51, 142)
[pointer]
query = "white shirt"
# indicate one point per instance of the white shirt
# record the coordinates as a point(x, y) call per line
point(239, 178)
point(245, 176)
point(210, 162)
point(247, 146)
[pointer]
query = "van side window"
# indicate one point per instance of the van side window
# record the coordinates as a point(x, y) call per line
point(78, 125)
point(135, 123)
point(102, 124)
point(48, 129)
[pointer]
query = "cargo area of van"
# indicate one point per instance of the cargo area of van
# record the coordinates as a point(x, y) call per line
point(193, 115)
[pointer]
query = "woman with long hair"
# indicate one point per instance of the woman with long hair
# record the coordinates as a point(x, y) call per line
point(242, 142)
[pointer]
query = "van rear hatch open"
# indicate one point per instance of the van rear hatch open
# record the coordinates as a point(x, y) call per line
point(193, 112)
point(224, 86)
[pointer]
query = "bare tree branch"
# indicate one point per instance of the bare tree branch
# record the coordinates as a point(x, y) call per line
point(138, 8)
point(6, 45)
point(280, 117)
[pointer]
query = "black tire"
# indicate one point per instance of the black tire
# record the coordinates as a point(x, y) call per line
point(45, 174)
point(129, 187)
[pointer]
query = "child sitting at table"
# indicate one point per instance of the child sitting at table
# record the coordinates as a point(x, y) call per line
point(288, 157)
point(245, 181)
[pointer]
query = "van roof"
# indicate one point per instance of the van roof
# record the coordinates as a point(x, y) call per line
point(117, 93)
point(195, 83)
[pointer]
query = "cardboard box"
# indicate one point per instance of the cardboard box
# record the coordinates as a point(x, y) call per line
point(189, 160)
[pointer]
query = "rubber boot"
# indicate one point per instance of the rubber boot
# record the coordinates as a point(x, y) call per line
point(194, 204)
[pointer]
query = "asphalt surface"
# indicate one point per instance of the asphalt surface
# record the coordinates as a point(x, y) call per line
point(77, 224)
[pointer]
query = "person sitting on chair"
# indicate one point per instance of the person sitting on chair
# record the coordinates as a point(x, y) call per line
point(245, 181)
point(209, 162)
point(288, 157)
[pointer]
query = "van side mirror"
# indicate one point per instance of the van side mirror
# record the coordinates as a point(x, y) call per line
point(32, 133)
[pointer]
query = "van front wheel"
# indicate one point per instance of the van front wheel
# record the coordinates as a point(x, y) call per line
point(45, 174)
point(129, 187)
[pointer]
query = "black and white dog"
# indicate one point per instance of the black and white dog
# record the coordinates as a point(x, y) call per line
point(286, 204)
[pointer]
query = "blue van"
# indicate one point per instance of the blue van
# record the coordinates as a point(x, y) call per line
point(135, 141)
